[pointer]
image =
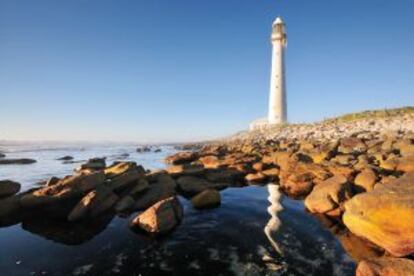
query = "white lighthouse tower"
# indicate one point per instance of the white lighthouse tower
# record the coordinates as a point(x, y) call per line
point(277, 99)
point(277, 113)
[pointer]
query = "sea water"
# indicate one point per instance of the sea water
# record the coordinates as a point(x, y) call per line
point(255, 231)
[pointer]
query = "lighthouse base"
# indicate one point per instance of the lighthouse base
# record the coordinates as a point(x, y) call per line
point(262, 124)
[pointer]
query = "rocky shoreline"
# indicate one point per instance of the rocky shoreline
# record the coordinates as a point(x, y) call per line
point(357, 176)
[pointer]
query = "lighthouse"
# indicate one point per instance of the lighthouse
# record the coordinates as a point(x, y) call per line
point(277, 98)
point(277, 113)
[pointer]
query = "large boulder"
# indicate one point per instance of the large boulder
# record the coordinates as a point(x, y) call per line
point(125, 180)
point(157, 191)
point(8, 188)
point(161, 217)
point(328, 195)
point(119, 168)
point(182, 157)
point(366, 179)
point(385, 216)
point(21, 161)
point(127, 202)
point(69, 187)
point(93, 204)
point(406, 164)
point(386, 266)
point(190, 185)
point(206, 199)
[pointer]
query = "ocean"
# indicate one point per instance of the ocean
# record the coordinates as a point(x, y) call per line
point(256, 230)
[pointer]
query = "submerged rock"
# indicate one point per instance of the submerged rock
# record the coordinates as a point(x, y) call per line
point(8, 188)
point(206, 199)
point(65, 158)
point(22, 161)
point(161, 217)
point(386, 266)
point(385, 216)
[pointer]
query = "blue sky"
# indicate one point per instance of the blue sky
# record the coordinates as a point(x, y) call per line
point(153, 71)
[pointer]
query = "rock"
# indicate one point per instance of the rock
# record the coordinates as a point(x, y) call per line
point(2, 155)
point(144, 149)
point(405, 147)
point(157, 191)
point(160, 218)
point(190, 185)
point(157, 150)
point(8, 188)
point(185, 169)
point(206, 199)
point(406, 164)
point(366, 180)
point(352, 145)
point(182, 157)
point(69, 187)
point(127, 202)
point(226, 175)
point(210, 161)
point(297, 186)
point(125, 180)
point(385, 266)
point(9, 207)
point(52, 181)
point(65, 158)
point(119, 168)
point(93, 204)
point(385, 215)
point(357, 248)
point(344, 159)
point(256, 178)
point(94, 164)
point(22, 161)
point(328, 195)
point(272, 173)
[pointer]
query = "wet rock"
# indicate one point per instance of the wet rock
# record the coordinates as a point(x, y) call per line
point(357, 248)
point(21, 161)
point(2, 155)
point(69, 187)
point(366, 179)
point(65, 158)
point(8, 188)
point(93, 204)
point(386, 266)
point(190, 185)
point(206, 199)
point(157, 150)
point(94, 164)
point(9, 207)
point(160, 218)
point(144, 149)
point(182, 157)
point(385, 215)
point(328, 195)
